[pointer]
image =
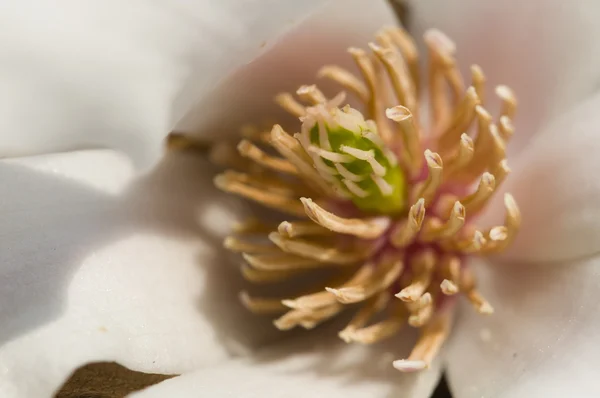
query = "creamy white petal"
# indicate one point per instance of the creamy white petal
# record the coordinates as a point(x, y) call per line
point(541, 341)
point(121, 74)
point(555, 182)
point(248, 95)
point(544, 50)
point(98, 265)
point(307, 368)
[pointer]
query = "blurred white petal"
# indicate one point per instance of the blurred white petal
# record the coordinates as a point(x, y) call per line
point(545, 51)
point(308, 367)
point(98, 265)
point(121, 74)
point(540, 342)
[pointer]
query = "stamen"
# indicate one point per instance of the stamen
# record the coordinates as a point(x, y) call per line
point(410, 136)
point(369, 228)
point(311, 94)
point(512, 222)
point(326, 298)
point(478, 79)
point(269, 199)
point(450, 270)
point(327, 254)
point(371, 307)
point(500, 171)
point(289, 104)
point(291, 149)
point(423, 265)
point(375, 106)
point(409, 51)
point(408, 230)
point(307, 318)
point(468, 285)
point(247, 149)
point(462, 157)
point(434, 230)
point(473, 244)
point(477, 200)
point(397, 72)
point(260, 305)
point(509, 101)
point(423, 311)
point(506, 128)
point(432, 337)
point(461, 120)
point(346, 80)
point(440, 47)
point(260, 276)
point(281, 262)
point(386, 274)
point(428, 188)
point(294, 229)
point(252, 226)
point(237, 245)
point(381, 330)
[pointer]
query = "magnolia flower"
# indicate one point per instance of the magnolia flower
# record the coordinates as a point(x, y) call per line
point(101, 264)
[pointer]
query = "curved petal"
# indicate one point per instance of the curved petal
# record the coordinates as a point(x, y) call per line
point(99, 265)
point(108, 73)
point(309, 367)
point(545, 52)
point(556, 185)
point(540, 342)
point(248, 95)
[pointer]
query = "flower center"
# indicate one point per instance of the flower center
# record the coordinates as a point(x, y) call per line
point(387, 209)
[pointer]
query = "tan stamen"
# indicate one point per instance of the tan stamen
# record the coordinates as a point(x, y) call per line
point(381, 279)
point(509, 101)
point(370, 307)
point(311, 94)
point(423, 265)
point(429, 187)
point(369, 228)
point(262, 277)
point(289, 103)
point(450, 270)
point(432, 337)
point(281, 262)
point(307, 318)
point(247, 149)
point(461, 120)
point(468, 285)
point(478, 79)
point(423, 311)
point(322, 253)
point(408, 230)
point(461, 158)
point(381, 330)
point(477, 200)
point(434, 229)
point(260, 305)
point(238, 245)
point(410, 137)
point(294, 229)
point(269, 199)
point(346, 80)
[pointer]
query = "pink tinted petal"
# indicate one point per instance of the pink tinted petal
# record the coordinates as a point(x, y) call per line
point(540, 342)
point(248, 95)
point(544, 50)
point(555, 182)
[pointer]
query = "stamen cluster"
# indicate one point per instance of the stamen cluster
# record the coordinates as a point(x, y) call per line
point(386, 207)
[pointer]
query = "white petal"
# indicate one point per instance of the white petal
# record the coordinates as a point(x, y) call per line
point(555, 182)
point(97, 265)
point(544, 51)
point(248, 96)
point(312, 368)
point(121, 74)
point(542, 340)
